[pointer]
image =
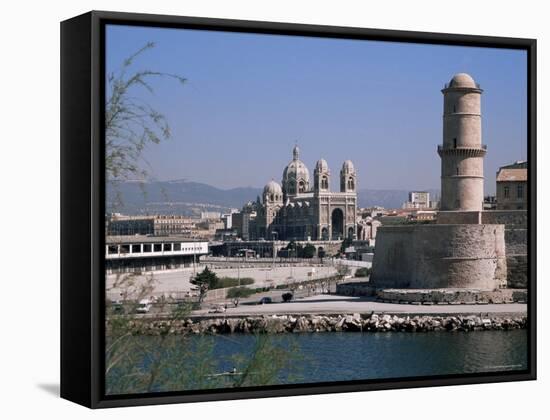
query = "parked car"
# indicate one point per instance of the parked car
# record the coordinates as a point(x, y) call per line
point(117, 307)
point(144, 306)
point(287, 297)
point(264, 300)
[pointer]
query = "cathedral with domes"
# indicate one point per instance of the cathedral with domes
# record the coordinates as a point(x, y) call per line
point(305, 209)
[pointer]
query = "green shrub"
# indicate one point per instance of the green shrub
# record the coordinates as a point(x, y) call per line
point(233, 282)
point(363, 272)
point(239, 292)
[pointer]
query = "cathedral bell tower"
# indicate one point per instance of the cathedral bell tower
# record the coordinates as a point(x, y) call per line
point(348, 177)
point(321, 176)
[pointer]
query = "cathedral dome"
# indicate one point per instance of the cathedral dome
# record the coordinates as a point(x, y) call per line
point(272, 187)
point(296, 170)
point(296, 174)
point(462, 80)
point(348, 167)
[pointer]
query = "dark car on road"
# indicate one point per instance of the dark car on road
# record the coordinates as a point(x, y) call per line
point(287, 297)
point(265, 300)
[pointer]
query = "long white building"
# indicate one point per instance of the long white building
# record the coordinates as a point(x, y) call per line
point(150, 253)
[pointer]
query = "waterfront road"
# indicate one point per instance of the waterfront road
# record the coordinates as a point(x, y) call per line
point(334, 304)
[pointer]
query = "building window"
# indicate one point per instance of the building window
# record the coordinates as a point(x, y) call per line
point(124, 249)
point(454, 142)
point(167, 247)
point(506, 192)
point(457, 170)
point(146, 247)
point(113, 249)
point(520, 191)
point(136, 249)
point(177, 247)
point(157, 247)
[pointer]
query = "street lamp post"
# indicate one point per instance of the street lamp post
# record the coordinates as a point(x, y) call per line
point(194, 256)
point(239, 272)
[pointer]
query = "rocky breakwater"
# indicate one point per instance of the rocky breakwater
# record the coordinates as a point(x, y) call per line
point(326, 323)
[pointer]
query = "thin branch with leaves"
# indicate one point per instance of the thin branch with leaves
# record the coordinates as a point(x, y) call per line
point(131, 123)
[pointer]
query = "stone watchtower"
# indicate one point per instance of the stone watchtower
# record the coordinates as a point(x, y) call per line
point(460, 251)
point(462, 152)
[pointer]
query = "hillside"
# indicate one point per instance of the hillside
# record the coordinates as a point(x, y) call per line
point(190, 198)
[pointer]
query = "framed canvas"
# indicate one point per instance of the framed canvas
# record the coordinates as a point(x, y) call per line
point(256, 209)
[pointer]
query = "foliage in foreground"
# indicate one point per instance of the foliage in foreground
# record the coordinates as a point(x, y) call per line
point(176, 362)
point(131, 123)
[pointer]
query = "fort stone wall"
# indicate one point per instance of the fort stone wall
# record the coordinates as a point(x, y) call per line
point(515, 237)
point(440, 256)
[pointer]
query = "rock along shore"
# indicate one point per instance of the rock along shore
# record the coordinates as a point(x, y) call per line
point(329, 323)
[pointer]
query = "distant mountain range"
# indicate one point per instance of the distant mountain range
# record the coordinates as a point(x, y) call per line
point(191, 198)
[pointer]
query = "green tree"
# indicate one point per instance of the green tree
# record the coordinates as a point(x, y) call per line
point(309, 251)
point(295, 250)
point(346, 243)
point(321, 254)
point(205, 280)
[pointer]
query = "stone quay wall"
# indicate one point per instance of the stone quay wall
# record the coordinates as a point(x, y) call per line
point(440, 256)
point(277, 324)
point(433, 296)
point(355, 289)
point(451, 296)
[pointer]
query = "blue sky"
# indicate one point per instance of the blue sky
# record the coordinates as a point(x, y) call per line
point(250, 97)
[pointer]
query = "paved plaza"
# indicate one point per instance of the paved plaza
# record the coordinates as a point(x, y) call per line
point(170, 281)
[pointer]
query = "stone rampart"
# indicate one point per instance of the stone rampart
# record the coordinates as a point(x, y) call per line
point(515, 237)
point(510, 218)
point(459, 217)
point(440, 256)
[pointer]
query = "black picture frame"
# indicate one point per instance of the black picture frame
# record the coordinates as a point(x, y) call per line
point(83, 205)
